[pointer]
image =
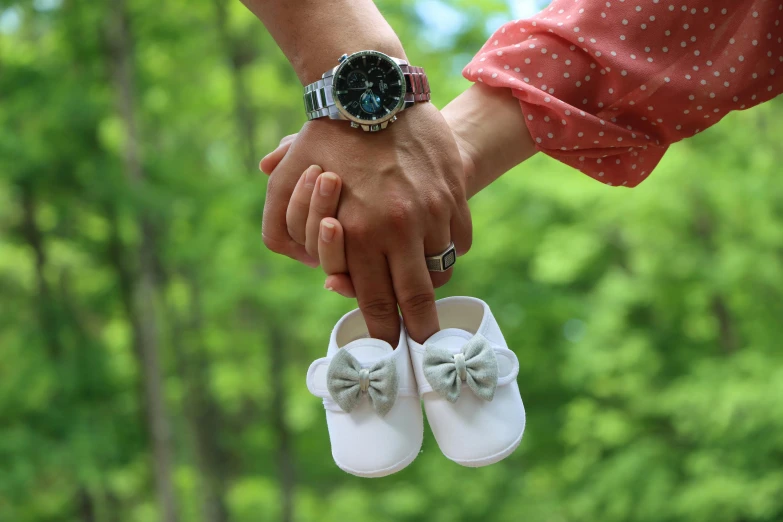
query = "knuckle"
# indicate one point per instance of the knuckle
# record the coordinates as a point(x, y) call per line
point(400, 214)
point(380, 309)
point(311, 240)
point(321, 207)
point(418, 303)
point(297, 207)
point(296, 234)
point(296, 211)
point(359, 229)
point(441, 278)
point(438, 208)
point(464, 236)
point(275, 245)
point(295, 223)
point(464, 245)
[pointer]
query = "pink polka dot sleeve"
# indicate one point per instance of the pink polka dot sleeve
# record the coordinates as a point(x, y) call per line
point(607, 86)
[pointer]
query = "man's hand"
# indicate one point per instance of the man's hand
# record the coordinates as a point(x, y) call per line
point(403, 197)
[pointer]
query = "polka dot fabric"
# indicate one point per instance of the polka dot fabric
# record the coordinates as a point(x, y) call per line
point(607, 86)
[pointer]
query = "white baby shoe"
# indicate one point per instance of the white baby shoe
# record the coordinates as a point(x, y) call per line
point(372, 404)
point(466, 377)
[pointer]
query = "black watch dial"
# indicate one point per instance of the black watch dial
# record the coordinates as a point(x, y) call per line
point(369, 86)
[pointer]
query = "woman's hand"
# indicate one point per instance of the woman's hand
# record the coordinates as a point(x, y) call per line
point(315, 201)
point(331, 248)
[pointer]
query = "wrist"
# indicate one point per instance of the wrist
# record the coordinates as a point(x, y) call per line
point(311, 65)
point(490, 130)
point(313, 34)
point(468, 156)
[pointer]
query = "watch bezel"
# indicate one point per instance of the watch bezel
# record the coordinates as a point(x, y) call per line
point(378, 121)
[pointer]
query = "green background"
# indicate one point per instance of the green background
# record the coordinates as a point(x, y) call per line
point(153, 353)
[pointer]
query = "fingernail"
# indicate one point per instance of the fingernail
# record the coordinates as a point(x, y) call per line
point(261, 164)
point(327, 231)
point(327, 287)
point(328, 183)
point(312, 174)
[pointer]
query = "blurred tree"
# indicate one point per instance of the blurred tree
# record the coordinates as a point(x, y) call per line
point(142, 311)
point(153, 353)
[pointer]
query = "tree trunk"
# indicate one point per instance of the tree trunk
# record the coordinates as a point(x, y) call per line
point(704, 228)
point(285, 464)
point(86, 507)
point(203, 414)
point(144, 287)
point(46, 310)
point(239, 56)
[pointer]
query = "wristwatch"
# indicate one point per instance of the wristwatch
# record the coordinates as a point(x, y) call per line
point(368, 88)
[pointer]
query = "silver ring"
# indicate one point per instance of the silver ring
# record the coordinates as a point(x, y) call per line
point(442, 261)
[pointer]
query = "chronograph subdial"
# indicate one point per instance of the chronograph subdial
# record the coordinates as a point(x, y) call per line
point(377, 77)
point(357, 80)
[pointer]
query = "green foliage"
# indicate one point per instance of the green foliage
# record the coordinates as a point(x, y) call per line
point(647, 321)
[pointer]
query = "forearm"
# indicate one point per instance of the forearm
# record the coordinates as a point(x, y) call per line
point(313, 34)
point(490, 130)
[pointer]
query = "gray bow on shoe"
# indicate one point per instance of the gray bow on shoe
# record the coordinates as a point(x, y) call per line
point(346, 381)
point(476, 364)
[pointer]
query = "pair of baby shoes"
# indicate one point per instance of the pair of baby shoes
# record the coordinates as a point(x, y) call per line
point(465, 375)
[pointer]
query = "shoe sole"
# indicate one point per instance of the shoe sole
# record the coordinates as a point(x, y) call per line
point(394, 468)
point(492, 459)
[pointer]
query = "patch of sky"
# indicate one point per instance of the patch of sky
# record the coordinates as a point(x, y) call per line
point(10, 20)
point(526, 8)
point(47, 5)
point(442, 21)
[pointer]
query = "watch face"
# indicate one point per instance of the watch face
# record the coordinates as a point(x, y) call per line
point(369, 87)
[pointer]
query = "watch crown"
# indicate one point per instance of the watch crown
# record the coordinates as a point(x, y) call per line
point(343, 58)
point(394, 118)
